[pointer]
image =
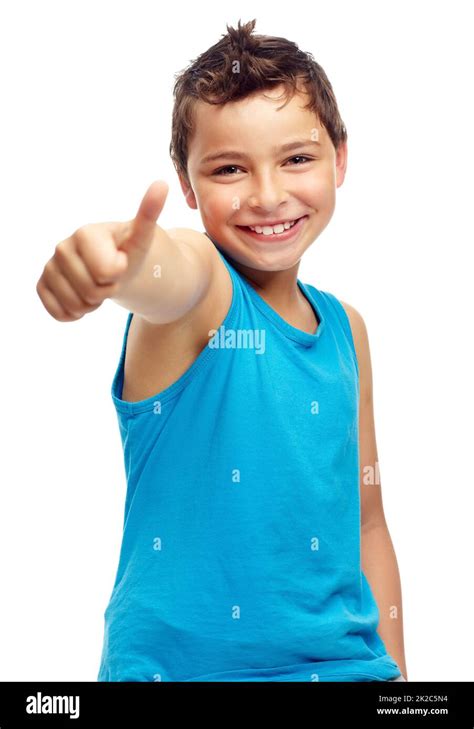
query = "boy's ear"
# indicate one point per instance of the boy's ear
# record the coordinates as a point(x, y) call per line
point(341, 163)
point(188, 192)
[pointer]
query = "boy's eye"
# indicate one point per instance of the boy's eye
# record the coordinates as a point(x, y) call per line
point(301, 156)
point(229, 167)
point(222, 170)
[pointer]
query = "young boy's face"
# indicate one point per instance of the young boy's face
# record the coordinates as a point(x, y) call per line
point(254, 181)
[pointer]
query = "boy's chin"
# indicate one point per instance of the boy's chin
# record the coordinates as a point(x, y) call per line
point(262, 260)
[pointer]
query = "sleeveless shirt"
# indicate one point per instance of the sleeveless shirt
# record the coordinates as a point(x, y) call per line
point(240, 557)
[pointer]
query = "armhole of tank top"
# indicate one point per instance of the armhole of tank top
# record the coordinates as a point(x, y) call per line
point(128, 409)
point(125, 413)
point(346, 324)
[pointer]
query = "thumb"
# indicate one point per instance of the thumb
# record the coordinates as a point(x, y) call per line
point(142, 227)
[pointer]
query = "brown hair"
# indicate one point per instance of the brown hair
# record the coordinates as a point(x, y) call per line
point(239, 64)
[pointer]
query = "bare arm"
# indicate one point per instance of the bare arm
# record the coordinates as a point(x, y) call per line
point(380, 567)
point(379, 562)
point(158, 274)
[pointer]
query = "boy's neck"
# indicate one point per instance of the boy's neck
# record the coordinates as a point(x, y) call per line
point(279, 289)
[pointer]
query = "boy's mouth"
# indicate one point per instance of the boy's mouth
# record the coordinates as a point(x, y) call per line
point(269, 233)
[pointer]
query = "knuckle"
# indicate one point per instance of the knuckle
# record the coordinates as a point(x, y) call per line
point(71, 304)
point(65, 317)
point(62, 316)
point(42, 298)
point(66, 312)
point(48, 267)
point(60, 251)
point(75, 311)
point(84, 230)
point(92, 298)
point(77, 305)
point(82, 235)
point(51, 304)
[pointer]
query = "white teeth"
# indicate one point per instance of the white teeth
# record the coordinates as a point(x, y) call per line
point(271, 229)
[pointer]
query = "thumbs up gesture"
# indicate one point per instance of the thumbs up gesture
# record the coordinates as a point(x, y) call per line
point(97, 261)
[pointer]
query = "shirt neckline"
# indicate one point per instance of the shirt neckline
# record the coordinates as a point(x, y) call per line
point(288, 329)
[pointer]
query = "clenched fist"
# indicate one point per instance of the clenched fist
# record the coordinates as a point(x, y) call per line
point(98, 259)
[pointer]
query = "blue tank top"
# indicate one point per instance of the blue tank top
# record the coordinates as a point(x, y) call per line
point(240, 556)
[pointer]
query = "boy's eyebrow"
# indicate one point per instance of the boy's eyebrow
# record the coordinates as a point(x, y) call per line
point(231, 154)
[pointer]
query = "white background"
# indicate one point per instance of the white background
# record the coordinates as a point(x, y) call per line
point(86, 90)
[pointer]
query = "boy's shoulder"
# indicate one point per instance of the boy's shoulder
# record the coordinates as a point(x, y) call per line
point(194, 239)
point(355, 317)
point(357, 327)
point(361, 345)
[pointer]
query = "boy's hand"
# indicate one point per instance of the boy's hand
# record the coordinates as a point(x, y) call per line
point(98, 259)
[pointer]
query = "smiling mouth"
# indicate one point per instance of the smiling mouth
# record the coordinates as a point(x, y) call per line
point(282, 231)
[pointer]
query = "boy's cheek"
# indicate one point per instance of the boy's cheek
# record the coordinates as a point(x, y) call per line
point(221, 208)
point(321, 192)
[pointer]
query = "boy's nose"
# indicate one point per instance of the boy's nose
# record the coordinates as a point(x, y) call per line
point(267, 195)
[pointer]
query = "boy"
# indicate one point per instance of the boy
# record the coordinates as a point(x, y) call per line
point(244, 397)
